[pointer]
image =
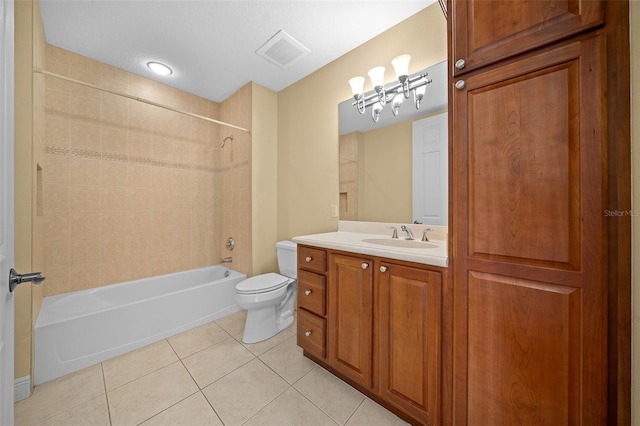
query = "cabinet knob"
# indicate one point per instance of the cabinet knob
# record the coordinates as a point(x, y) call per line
point(307, 333)
point(383, 269)
point(460, 84)
point(308, 259)
point(365, 265)
point(307, 292)
point(460, 63)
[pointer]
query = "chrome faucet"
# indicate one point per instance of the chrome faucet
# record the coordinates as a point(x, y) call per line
point(395, 231)
point(424, 234)
point(226, 260)
point(407, 230)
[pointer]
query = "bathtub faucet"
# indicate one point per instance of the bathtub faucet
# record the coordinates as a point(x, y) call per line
point(226, 260)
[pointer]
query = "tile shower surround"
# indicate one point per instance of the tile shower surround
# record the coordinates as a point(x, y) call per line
point(131, 190)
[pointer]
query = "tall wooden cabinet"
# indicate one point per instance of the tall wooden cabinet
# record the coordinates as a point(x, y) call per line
point(529, 146)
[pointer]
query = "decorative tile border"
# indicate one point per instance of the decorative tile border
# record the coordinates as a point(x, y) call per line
point(97, 155)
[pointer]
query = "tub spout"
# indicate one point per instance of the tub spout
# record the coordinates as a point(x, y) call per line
point(226, 260)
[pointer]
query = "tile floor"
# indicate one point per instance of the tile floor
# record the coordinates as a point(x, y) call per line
point(204, 376)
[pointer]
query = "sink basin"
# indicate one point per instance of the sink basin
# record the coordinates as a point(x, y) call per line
point(389, 242)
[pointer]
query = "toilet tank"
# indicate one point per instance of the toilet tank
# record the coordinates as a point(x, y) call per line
point(287, 258)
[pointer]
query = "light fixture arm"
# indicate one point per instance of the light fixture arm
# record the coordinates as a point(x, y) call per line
point(385, 95)
point(360, 103)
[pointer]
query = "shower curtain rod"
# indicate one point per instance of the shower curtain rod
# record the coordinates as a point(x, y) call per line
point(135, 98)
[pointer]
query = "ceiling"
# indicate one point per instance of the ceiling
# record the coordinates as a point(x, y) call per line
point(210, 44)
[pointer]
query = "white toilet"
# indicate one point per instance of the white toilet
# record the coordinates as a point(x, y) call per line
point(270, 298)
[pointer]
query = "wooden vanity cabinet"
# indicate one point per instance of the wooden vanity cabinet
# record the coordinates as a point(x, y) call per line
point(409, 338)
point(350, 332)
point(383, 322)
point(312, 323)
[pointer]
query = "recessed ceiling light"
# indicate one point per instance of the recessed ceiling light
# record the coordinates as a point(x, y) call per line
point(159, 68)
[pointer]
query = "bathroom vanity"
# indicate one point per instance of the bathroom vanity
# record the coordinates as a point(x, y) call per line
point(369, 310)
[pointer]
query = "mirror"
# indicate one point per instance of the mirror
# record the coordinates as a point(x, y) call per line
point(377, 161)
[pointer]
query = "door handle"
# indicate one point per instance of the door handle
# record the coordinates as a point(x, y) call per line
point(16, 278)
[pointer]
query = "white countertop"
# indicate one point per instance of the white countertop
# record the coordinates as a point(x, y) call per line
point(375, 240)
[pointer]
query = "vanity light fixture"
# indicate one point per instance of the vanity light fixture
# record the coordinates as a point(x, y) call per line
point(394, 93)
point(159, 68)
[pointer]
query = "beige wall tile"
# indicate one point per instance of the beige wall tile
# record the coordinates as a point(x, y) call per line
point(85, 109)
point(57, 279)
point(84, 250)
point(113, 198)
point(115, 248)
point(84, 277)
point(57, 253)
point(55, 197)
point(84, 135)
point(140, 245)
point(84, 223)
point(127, 200)
point(56, 55)
point(55, 168)
point(84, 197)
point(139, 175)
point(114, 222)
point(114, 78)
point(113, 173)
point(113, 273)
point(85, 69)
point(56, 225)
point(139, 143)
point(114, 110)
point(57, 102)
point(140, 198)
point(113, 140)
point(84, 171)
point(56, 130)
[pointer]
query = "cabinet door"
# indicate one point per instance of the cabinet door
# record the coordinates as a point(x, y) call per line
point(530, 291)
point(410, 339)
point(350, 321)
point(485, 31)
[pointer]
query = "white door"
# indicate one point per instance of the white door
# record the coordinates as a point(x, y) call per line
point(6, 212)
point(430, 170)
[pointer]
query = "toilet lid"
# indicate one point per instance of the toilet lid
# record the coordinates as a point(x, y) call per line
point(262, 283)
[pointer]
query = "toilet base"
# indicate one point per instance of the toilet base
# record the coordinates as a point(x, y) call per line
point(267, 313)
point(260, 325)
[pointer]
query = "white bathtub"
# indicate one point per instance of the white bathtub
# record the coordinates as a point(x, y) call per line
point(79, 329)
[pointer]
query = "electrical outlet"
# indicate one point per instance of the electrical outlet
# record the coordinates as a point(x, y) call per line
point(334, 210)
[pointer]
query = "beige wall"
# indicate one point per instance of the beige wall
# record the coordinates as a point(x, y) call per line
point(308, 120)
point(635, 221)
point(264, 179)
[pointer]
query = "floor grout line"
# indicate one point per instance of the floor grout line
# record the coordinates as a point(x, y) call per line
point(106, 394)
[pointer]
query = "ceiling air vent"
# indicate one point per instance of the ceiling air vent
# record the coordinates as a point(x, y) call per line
point(282, 50)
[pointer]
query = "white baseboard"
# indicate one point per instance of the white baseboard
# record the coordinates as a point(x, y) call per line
point(22, 388)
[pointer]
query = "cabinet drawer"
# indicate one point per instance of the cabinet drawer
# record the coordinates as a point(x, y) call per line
point(311, 292)
point(311, 333)
point(312, 259)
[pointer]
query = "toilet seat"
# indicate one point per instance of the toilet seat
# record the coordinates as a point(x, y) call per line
point(262, 283)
